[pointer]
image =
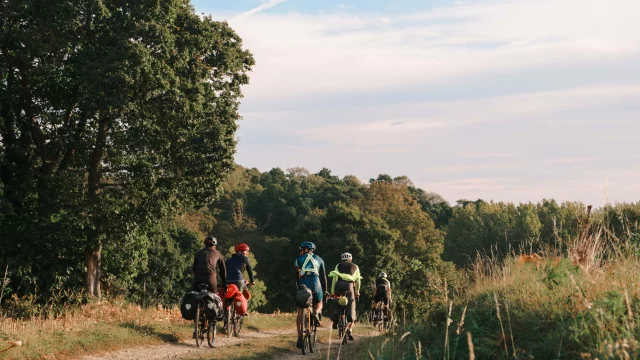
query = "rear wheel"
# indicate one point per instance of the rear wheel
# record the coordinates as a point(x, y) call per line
point(197, 321)
point(312, 339)
point(344, 329)
point(211, 334)
point(237, 324)
point(228, 321)
point(305, 330)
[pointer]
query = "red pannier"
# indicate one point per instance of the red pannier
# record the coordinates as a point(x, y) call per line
point(239, 301)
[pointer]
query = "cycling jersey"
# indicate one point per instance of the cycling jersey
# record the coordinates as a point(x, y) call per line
point(236, 265)
point(312, 274)
point(346, 278)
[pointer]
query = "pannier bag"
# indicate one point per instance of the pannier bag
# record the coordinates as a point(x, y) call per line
point(239, 301)
point(213, 306)
point(303, 297)
point(188, 305)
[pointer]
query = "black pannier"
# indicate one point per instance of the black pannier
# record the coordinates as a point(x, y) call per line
point(213, 306)
point(188, 305)
point(304, 297)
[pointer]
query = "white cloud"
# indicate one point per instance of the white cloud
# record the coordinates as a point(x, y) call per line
point(300, 55)
point(264, 6)
point(535, 133)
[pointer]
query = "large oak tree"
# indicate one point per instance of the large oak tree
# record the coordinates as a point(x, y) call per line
point(112, 112)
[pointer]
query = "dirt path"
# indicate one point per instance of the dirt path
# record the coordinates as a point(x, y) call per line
point(185, 349)
point(269, 344)
point(330, 347)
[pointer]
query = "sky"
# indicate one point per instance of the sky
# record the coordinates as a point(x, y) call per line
point(516, 100)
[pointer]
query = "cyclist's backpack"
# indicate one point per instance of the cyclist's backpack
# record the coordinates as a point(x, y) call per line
point(213, 306)
point(188, 305)
point(303, 296)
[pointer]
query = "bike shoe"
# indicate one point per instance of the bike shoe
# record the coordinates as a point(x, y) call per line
point(194, 335)
point(349, 336)
point(299, 343)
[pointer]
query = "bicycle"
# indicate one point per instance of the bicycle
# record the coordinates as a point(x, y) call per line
point(309, 332)
point(342, 320)
point(232, 319)
point(202, 322)
point(378, 318)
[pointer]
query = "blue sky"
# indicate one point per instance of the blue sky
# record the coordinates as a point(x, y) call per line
point(513, 100)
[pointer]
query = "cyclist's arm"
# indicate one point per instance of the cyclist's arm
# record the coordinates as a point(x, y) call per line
point(358, 284)
point(250, 271)
point(323, 277)
point(195, 263)
point(297, 274)
point(223, 270)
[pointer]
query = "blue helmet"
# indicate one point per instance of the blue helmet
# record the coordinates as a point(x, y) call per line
point(308, 245)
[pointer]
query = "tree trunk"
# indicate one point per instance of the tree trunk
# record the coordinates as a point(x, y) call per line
point(93, 248)
point(92, 271)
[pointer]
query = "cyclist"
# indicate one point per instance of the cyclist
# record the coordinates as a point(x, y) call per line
point(310, 272)
point(382, 292)
point(204, 266)
point(347, 279)
point(236, 265)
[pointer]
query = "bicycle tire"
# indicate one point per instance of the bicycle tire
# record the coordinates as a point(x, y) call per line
point(344, 326)
point(197, 323)
point(313, 336)
point(237, 325)
point(227, 320)
point(211, 334)
point(305, 327)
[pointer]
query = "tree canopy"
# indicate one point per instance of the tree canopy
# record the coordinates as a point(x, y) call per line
point(112, 116)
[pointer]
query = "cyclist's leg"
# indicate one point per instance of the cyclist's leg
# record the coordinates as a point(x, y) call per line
point(351, 314)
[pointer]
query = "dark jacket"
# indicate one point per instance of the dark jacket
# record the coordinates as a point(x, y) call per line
point(236, 265)
point(207, 260)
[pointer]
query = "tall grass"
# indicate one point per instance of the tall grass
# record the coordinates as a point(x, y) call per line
point(581, 305)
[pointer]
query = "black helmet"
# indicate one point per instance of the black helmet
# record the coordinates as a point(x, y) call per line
point(210, 241)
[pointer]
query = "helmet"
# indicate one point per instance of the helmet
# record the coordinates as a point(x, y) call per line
point(210, 241)
point(346, 257)
point(382, 275)
point(242, 247)
point(308, 245)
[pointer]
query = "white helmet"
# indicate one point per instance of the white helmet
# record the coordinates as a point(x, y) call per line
point(347, 257)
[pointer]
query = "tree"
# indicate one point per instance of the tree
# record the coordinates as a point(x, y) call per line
point(111, 114)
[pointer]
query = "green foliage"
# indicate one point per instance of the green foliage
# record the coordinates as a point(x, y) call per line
point(559, 275)
point(113, 116)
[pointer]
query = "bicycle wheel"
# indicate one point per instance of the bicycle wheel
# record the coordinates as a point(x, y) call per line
point(313, 335)
point(305, 329)
point(211, 334)
point(237, 325)
point(228, 321)
point(197, 321)
point(344, 329)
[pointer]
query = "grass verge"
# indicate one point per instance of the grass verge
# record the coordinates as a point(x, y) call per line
point(105, 327)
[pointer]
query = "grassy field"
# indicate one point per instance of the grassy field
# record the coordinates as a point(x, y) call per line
point(550, 310)
point(108, 326)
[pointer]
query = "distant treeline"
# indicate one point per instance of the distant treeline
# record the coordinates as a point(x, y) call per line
point(387, 223)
